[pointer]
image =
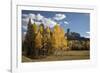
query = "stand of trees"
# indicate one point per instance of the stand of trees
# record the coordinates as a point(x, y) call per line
point(43, 41)
point(79, 45)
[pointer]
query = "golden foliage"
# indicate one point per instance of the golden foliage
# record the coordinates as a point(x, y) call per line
point(58, 40)
point(38, 40)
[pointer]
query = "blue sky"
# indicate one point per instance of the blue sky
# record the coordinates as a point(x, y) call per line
point(77, 22)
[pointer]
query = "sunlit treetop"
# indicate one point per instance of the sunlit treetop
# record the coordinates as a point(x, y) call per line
point(35, 28)
point(48, 30)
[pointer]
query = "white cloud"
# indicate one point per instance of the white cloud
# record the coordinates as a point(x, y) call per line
point(37, 22)
point(24, 15)
point(66, 22)
point(32, 21)
point(25, 21)
point(88, 33)
point(49, 22)
point(32, 16)
point(59, 17)
point(39, 17)
point(24, 33)
point(24, 28)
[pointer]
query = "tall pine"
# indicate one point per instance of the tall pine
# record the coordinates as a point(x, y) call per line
point(28, 42)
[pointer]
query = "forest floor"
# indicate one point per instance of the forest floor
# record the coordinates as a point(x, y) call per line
point(67, 55)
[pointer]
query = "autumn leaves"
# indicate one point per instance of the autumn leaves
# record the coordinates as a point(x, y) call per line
point(41, 40)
